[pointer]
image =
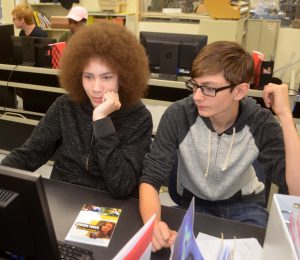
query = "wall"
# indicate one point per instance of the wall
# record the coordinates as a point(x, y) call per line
point(94, 6)
point(287, 53)
point(7, 7)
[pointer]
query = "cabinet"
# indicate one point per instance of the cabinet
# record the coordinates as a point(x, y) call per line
point(262, 36)
point(51, 9)
point(231, 30)
point(126, 19)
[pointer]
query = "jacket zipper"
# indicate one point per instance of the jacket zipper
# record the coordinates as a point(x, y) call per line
point(89, 152)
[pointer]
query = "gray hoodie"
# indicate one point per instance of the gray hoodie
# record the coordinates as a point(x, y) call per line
point(211, 166)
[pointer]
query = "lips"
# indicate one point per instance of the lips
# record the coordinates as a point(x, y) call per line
point(97, 100)
point(201, 107)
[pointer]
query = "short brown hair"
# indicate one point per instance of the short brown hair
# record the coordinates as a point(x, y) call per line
point(23, 11)
point(227, 57)
point(117, 48)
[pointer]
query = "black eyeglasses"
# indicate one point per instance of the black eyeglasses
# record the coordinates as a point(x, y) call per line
point(207, 91)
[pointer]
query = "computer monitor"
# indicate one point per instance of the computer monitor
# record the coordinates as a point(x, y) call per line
point(171, 55)
point(6, 31)
point(43, 52)
point(32, 51)
point(26, 227)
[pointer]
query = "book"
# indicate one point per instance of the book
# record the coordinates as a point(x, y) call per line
point(36, 18)
point(185, 246)
point(139, 246)
point(209, 247)
point(94, 225)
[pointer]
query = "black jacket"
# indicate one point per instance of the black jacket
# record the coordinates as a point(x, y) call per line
point(106, 154)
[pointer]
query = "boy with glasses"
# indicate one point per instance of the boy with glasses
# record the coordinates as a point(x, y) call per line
point(23, 19)
point(212, 138)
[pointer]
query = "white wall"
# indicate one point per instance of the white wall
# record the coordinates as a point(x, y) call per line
point(288, 53)
point(7, 7)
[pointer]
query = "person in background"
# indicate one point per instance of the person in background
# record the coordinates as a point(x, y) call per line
point(77, 18)
point(277, 98)
point(213, 138)
point(23, 19)
point(99, 131)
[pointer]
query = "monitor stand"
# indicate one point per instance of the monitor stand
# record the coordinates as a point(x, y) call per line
point(28, 64)
point(167, 77)
point(28, 51)
point(168, 61)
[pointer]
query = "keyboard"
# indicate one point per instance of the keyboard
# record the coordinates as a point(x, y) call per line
point(71, 252)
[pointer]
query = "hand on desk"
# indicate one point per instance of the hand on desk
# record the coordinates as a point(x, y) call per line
point(162, 236)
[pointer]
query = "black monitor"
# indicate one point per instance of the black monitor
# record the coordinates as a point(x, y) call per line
point(6, 31)
point(171, 55)
point(26, 227)
point(32, 51)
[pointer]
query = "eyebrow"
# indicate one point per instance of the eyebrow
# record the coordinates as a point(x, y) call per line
point(102, 74)
point(210, 84)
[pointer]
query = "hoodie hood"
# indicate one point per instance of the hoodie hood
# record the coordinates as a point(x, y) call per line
point(248, 108)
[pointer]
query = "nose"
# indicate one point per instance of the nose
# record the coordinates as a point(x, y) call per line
point(72, 27)
point(97, 85)
point(198, 95)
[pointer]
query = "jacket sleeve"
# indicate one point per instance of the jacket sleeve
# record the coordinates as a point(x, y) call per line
point(159, 162)
point(269, 139)
point(121, 152)
point(40, 146)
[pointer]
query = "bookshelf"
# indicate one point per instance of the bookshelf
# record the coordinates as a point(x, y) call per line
point(55, 9)
point(51, 9)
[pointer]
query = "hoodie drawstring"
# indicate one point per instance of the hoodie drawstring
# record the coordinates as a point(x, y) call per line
point(208, 157)
point(228, 155)
point(229, 152)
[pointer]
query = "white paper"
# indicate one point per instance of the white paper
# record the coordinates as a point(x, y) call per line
point(245, 248)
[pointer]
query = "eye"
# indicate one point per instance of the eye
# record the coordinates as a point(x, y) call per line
point(209, 89)
point(107, 77)
point(87, 76)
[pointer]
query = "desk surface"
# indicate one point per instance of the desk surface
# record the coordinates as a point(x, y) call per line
point(65, 201)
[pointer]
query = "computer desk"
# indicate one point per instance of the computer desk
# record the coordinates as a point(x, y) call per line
point(65, 201)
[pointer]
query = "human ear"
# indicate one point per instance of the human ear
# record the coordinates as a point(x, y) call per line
point(240, 91)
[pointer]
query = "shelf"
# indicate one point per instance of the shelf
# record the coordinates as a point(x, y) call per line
point(109, 14)
point(51, 9)
point(178, 18)
point(192, 16)
point(55, 30)
point(47, 4)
